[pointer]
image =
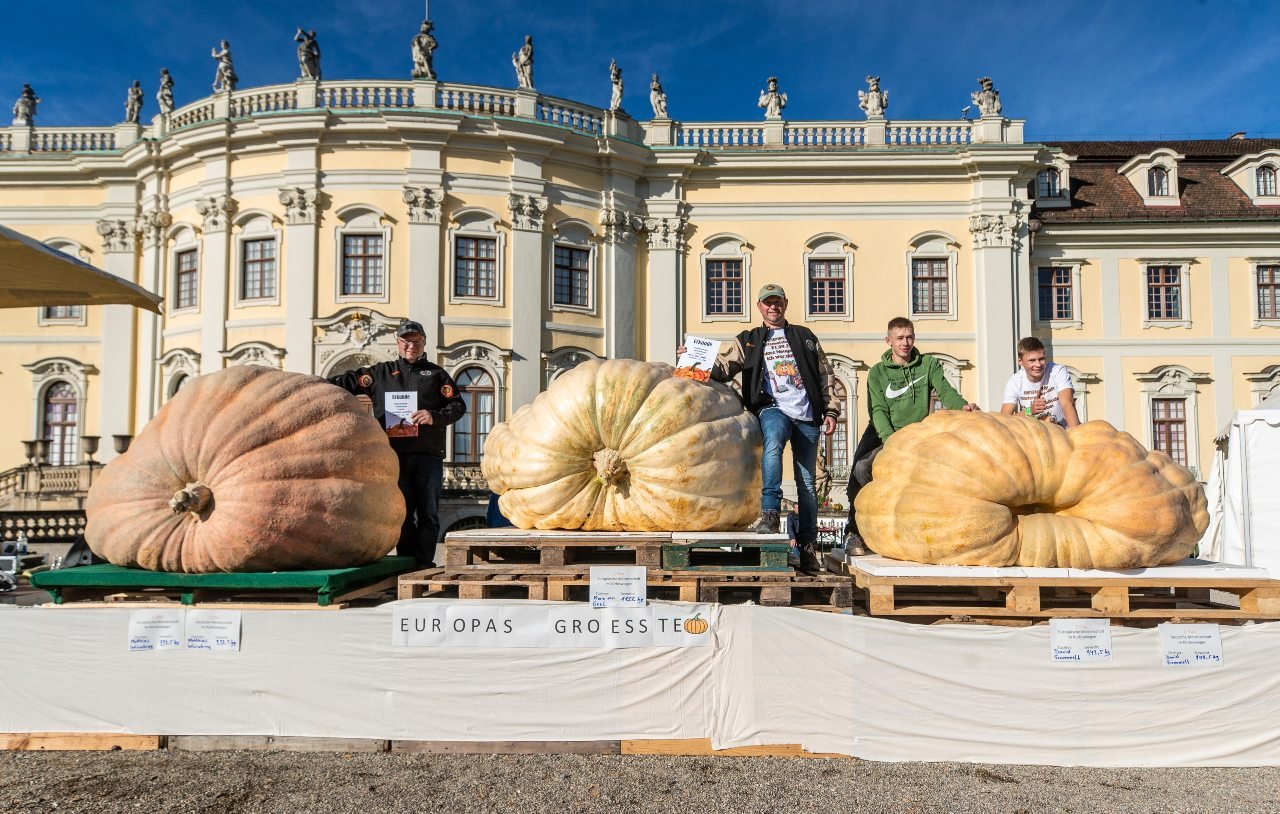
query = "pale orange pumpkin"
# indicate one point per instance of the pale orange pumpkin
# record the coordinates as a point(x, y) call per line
point(250, 469)
point(988, 489)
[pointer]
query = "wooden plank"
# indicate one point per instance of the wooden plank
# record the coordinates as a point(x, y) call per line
point(880, 600)
point(752, 556)
point(1261, 601)
point(702, 747)
point(1023, 599)
point(275, 743)
point(508, 747)
point(1112, 600)
point(78, 742)
point(687, 587)
point(367, 591)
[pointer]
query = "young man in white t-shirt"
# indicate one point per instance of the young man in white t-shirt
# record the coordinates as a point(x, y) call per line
point(1040, 388)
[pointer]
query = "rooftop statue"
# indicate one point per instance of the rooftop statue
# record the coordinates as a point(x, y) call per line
point(615, 76)
point(772, 101)
point(874, 102)
point(225, 78)
point(424, 49)
point(308, 54)
point(24, 110)
point(133, 103)
point(523, 62)
point(657, 98)
point(164, 96)
point(988, 98)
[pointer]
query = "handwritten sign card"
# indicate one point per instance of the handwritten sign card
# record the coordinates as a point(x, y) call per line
point(1073, 641)
point(155, 630)
point(1190, 645)
point(213, 629)
point(620, 586)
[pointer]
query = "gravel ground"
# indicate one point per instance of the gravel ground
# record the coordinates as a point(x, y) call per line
point(309, 783)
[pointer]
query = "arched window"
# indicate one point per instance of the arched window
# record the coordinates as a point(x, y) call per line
point(837, 443)
point(1266, 180)
point(1049, 184)
point(477, 390)
point(61, 424)
point(1158, 182)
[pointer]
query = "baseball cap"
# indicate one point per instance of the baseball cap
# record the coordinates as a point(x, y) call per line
point(410, 327)
point(771, 290)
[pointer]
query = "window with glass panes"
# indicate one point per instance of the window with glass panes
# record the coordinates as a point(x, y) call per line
point(1157, 181)
point(573, 276)
point(475, 387)
point(1164, 292)
point(838, 442)
point(1266, 181)
point(930, 286)
point(258, 269)
point(826, 286)
point(1049, 184)
point(185, 279)
point(1054, 291)
point(1169, 428)
point(64, 312)
point(362, 265)
point(1269, 292)
point(724, 287)
point(61, 423)
point(475, 267)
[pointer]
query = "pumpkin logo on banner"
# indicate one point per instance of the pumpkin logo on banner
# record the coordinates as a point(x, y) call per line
point(696, 625)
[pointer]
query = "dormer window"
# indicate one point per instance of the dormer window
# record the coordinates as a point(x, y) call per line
point(1049, 184)
point(1255, 175)
point(1157, 182)
point(1266, 180)
point(1052, 186)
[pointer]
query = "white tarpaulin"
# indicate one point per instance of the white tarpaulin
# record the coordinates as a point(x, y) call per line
point(1244, 499)
point(873, 688)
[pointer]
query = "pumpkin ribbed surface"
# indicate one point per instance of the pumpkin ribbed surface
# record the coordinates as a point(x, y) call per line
point(987, 489)
point(250, 469)
point(623, 445)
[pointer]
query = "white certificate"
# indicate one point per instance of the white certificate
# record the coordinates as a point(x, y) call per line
point(397, 414)
point(699, 353)
point(208, 629)
point(1190, 645)
point(620, 586)
point(155, 630)
point(1072, 641)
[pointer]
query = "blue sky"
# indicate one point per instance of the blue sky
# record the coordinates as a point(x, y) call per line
point(1101, 69)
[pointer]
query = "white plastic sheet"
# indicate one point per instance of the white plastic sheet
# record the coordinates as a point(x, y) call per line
point(1244, 502)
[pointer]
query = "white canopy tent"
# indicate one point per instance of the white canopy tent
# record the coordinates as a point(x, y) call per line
point(1244, 499)
point(33, 274)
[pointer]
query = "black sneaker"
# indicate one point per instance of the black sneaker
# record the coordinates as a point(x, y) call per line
point(766, 523)
point(809, 562)
point(854, 546)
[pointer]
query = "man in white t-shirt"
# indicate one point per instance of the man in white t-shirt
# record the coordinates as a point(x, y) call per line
point(1040, 388)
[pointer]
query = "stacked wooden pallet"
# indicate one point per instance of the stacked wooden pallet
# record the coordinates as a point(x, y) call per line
point(726, 567)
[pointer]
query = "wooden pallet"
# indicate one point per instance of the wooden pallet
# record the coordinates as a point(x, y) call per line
point(80, 598)
point(553, 548)
point(577, 587)
point(713, 556)
point(434, 583)
point(1109, 596)
point(823, 590)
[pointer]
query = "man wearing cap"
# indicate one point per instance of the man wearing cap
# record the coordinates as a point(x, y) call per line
point(788, 384)
point(418, 437)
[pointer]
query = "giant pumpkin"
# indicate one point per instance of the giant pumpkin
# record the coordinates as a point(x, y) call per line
point(250, 469)
point(987, 489)
point(623, 445)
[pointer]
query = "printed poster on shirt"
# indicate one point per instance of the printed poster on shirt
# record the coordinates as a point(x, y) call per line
point(398, 414)
point(781, 364)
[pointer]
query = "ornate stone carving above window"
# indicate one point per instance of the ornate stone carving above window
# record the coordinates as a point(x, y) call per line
point(351, 331)
point(260, 354)
point(175, 366)
point(556, 364)
point(425, 204)
point(216, 212)
point(527, 211)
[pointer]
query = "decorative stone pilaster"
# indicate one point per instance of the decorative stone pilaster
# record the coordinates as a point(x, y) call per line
point(666, 233)
point(300, 205)
point(620, 226)
point(527, 211)
point(117, 236)
point(998, 286)
point(426, 204)
point(999, 231)
point(215, 265)
point(152, 226)
point(665, 230)
point(216, 211)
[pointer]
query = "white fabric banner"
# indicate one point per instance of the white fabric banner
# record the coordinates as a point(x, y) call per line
point(551, 625)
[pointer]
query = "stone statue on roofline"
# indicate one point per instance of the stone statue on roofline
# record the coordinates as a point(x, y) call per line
point(615, 77)
point(164, 96)
point(424, 49)
point(224, 79)
point(771, 100)
point(24, 110)
point(987, 98)
point(523, 62)
point(873, 101)
point(133, 103)
point(657, 98)
point(308, 54)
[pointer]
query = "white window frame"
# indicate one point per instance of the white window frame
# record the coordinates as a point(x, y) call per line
point(1244, 172)
point(75, 249)
point(933, 246)
point(48, 372)
point(1275, 181)
point(183, 240)
point(1137, 170)
point(1258, 320)
point(1061, 163)
point(826, 247)
point(474, 222)
point(494, 361)
point(727, 246)
point(1264, 383)
point(255, 225)
point(1174, 382)
point(173, 366)
point(1076, 322)
point(574, 234)
point(357, 220)
point(1184, 281)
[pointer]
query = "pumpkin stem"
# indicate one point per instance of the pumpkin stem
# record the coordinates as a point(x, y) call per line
point(610, 468)
point(194, 498)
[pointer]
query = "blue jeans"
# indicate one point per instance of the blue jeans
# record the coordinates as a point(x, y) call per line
point(779, 428)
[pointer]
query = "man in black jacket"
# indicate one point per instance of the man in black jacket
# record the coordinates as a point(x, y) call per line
point(414, 400)
point(789, 385)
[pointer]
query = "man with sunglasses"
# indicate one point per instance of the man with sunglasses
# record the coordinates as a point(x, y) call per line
point(418, 438)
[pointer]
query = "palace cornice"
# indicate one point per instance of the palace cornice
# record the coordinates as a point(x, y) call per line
point(1145, 234)
point(769, 211)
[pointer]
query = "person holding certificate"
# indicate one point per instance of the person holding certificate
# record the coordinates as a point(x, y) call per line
point(414, 400)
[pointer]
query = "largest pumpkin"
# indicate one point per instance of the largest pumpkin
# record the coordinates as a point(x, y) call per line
point(250, 469)
point(987, 489)
point(623, 445)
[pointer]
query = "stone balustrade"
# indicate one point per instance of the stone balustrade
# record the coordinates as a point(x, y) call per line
point(476, 100)
point(42, 526)
point(574, 116)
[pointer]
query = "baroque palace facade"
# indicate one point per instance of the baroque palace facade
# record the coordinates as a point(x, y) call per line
point(296, 225)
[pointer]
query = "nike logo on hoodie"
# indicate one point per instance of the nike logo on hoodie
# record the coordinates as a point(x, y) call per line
point(891, 393)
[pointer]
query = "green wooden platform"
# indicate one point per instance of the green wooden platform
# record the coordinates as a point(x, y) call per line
point(712, 556)
point(325, 584)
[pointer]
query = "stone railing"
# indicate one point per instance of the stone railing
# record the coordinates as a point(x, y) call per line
point(567, 114)
point(927, 133)
point(42, 526)
point(46, 488)
point(824, 134)
point(72, 140)
point(474, 99)
point(264, 100)
point(464, 477)
point(6, 141)
point(719, 135)
point(194, 113)
point(365, 95)
point(11, 480)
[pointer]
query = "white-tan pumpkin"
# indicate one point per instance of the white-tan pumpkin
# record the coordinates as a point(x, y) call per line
point(250, 469)
point(622, 445)
point(988, 489)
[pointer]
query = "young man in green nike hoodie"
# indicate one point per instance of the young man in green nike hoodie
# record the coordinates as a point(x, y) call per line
point(898, 389)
